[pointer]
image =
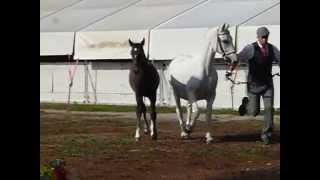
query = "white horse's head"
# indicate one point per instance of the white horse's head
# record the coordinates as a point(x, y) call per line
point(225, 45)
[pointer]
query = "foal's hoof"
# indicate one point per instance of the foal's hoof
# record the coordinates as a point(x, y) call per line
point(185, 135)
point(209, 138)
point(209, 141)
point(154, 137)
point(137, 139)
point(146, 131)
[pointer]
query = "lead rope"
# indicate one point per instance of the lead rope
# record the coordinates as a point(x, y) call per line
point(72, 71)
point(233, 84)
point(237, 67)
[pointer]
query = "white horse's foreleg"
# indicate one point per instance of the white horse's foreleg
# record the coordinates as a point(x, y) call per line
point(196, 114)
point(180, 116)
point(189, 115)
point(192, 121)
point(208, 136)
point(195, 111)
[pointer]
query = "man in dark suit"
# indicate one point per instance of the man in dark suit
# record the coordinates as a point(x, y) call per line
point(259, 56)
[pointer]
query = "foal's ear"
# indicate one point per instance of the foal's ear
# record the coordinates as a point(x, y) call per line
point(130, 42)
point(142, 42)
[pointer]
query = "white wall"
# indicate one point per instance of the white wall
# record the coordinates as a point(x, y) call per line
point(112, 85)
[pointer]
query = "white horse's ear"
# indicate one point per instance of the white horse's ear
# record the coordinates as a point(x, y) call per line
point(223, 27)
point(226, 27)
point(130, 42)
point(142, 42)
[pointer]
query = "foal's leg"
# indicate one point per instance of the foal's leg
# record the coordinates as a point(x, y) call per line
point(208, 136)
point(146, 125)
point(138, 113)
point(180, 115)
point(153, 124)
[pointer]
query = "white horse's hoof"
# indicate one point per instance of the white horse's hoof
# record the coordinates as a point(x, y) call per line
point(137, 139)
point(188, 129)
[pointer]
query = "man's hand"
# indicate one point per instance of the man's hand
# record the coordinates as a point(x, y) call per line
point(228, 73)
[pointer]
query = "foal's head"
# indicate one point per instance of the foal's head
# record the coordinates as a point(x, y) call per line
point(137, 52)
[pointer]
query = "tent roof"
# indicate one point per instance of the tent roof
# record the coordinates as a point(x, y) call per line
point(94, 21)
point(146, 14)
point(77, 16)
point(104, 15)
point(269, 17)
point(216, 12)
point(48, 7)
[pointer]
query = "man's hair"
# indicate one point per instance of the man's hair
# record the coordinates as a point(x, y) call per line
point(262, 32)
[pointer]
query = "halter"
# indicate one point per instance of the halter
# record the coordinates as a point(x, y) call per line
point(224, 53)
point(234, 82)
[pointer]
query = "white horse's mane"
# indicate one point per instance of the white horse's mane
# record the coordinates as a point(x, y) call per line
point(210, 43)
point(211, 36)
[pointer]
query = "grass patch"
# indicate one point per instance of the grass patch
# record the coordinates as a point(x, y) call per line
point(125, 108)
point(252, 153)
point(205, 152)
point(85, 145)
point(124, 141)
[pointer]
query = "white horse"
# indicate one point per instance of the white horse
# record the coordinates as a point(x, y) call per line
point(195, 78)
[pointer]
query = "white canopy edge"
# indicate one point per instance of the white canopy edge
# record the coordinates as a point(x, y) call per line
point(108, 44)
point(56, 43)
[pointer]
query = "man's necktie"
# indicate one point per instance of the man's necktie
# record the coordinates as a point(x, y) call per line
point(264, 51)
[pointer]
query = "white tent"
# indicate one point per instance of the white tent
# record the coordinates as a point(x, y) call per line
point(99, 30)
point(102, 27)
point(168, 26)
point(186, 33)
point(133, 22)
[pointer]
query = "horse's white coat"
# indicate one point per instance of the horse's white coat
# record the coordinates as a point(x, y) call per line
point(193, 78)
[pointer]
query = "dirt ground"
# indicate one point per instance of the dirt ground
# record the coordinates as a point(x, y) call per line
point(100, 146)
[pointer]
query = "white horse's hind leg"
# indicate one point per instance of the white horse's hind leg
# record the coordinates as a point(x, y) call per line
point(195, 110)
point(208, 136)
point(191, 121)
point(180, 116)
